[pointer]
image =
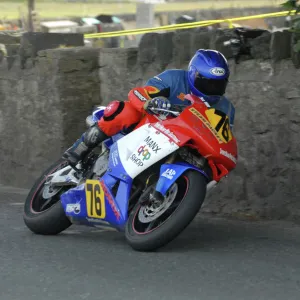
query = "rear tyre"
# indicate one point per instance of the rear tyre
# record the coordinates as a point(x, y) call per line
point(42, 216)
point(150, 227)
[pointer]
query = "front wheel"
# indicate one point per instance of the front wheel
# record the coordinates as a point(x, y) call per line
point(152, 226)
point(46, 216)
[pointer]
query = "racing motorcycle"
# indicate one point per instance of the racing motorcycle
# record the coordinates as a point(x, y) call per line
point(148, 183)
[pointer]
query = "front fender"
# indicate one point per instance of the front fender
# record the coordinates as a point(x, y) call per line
point(169, 173)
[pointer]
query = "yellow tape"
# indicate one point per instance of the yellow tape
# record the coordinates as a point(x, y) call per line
point(147, 30)
point(184, 25)
point(166, 27)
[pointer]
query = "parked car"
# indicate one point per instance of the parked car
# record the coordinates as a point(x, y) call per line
point(103, 23)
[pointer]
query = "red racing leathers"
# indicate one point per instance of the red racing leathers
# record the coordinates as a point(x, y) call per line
point(120, 115)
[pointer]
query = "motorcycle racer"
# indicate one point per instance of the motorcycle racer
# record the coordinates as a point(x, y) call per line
point(207, 77)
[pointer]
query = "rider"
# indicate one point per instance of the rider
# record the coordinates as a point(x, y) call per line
point(206, 77)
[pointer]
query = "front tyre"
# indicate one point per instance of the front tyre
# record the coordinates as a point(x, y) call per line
point(42, 216)
point(150, 227)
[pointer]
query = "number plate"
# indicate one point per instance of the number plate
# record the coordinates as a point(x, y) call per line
point(220, 122)
point(95, 199)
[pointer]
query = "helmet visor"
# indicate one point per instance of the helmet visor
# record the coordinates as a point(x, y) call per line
point(210, 87)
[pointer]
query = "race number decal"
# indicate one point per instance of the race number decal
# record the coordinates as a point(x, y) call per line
point(95, 199)
point(207, 124)
point(220, 122)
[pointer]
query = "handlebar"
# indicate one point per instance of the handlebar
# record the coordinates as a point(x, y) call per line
point(175, 113)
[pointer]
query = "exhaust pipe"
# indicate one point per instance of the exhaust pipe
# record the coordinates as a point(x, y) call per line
point(210, 186)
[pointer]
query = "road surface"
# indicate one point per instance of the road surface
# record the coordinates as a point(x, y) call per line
point(214, 259)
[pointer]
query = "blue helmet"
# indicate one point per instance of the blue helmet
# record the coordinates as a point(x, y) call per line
point(208, 74)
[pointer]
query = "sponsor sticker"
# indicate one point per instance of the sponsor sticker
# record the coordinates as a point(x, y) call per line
point(206, 123)
point(144, 152)
point(115, 156)
point(181, 96)
point(228, 155)
point(94, 220)
point(152, 145)
point(109, 107)
point(169, 173)
point(204, 101)
point(140, 96)
point(136, 160)
point(217, 71)
point(73, 208)
point(111, 201)
point(93, 136)
point(167, 132)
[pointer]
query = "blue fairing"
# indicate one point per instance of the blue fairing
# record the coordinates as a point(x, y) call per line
point(116, 208)
point(109, 142)
point(169, 173)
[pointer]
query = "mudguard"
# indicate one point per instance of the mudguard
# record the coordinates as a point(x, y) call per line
point(169, 173)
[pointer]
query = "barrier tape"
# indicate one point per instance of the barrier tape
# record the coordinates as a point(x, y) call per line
point(147, 30)
point(184, 25)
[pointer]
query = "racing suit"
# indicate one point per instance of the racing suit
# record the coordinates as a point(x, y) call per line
point(171, 84)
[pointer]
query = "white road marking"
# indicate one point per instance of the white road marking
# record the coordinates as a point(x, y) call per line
point(13, 190)
point(104, 229)
point(73, 232)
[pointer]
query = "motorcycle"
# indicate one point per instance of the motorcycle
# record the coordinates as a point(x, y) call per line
point(148, 183)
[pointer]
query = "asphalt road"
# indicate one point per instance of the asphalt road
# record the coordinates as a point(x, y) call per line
point(213, 259)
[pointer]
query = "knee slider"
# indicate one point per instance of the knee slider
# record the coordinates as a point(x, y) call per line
point(112, 110)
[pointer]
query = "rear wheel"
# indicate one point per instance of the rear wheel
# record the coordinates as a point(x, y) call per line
point(46, 216)
point(155, 224)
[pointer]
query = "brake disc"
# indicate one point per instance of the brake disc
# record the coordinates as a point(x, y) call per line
point(156, 208)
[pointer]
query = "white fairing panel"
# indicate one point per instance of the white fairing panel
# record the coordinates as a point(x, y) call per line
point(142, 148)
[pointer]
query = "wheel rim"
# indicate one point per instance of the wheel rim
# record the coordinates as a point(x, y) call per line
point(38, 204)
point(150, 217)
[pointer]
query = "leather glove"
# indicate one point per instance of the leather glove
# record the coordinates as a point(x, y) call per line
point(158, 102)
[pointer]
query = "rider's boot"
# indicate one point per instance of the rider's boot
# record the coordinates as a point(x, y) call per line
point(84, 145)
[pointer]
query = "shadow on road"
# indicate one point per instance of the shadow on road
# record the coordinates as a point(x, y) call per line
point(203, 235)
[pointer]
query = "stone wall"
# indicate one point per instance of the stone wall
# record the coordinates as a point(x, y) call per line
point(43, 107)
point(266, 180)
